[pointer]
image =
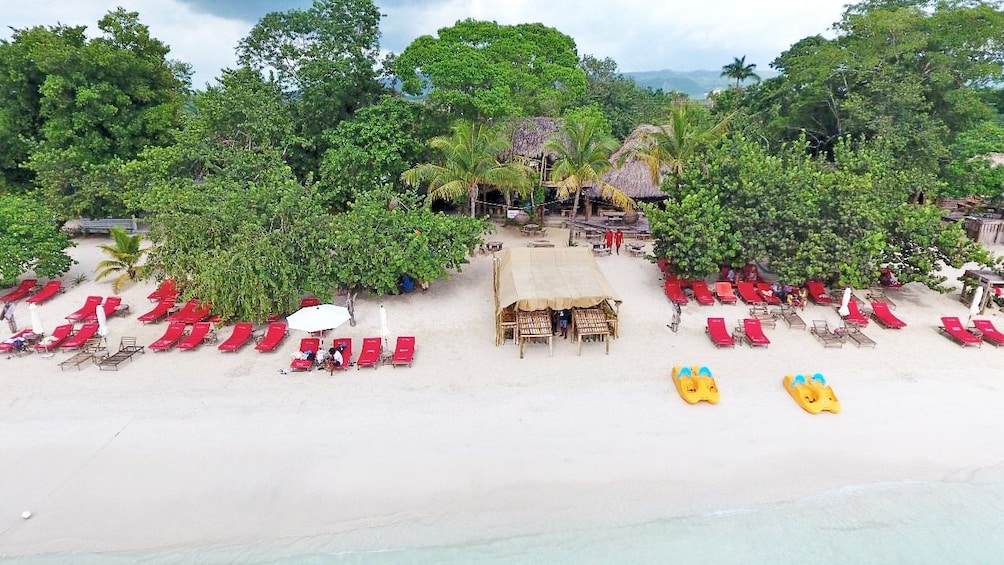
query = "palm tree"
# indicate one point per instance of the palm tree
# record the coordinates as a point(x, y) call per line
point(671, 147)
point(125, 256)
point(470, 161)
point(739, 70)
point(583, 155)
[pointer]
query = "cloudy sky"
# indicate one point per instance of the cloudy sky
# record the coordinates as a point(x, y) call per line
point(641, 35)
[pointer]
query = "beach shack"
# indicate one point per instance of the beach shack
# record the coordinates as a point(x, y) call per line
point(532, 283)
point(992, 283)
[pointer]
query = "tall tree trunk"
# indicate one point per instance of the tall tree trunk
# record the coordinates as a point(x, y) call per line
point(571, 221)
point(474, 200)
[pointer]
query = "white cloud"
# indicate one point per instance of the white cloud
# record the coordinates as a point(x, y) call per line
point(638, 34)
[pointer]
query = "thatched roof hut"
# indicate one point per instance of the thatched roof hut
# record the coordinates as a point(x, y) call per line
point(529, 136)
point(634, 177)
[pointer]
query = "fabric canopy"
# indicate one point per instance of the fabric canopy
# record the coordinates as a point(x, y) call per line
point(557, 278)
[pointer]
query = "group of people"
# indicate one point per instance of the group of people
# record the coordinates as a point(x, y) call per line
point(614, 239)
point(327, 360)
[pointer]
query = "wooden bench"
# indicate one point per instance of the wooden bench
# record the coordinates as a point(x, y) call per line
point(635, 250)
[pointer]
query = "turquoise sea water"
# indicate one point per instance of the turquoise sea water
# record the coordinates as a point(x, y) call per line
point(910, 523)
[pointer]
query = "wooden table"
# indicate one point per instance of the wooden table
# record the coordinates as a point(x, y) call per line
point(540, 243)
point(531, 229)
point(588, 322)
point(534, 326)
point(635, 249)
point(613, 217)
point(493, 246)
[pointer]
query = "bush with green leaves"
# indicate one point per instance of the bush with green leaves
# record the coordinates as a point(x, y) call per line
point(30, 240)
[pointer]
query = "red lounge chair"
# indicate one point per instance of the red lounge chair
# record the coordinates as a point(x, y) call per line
point(884, 316)
point(725, 294)
point(191, 312)
point(51, 341)
point(240, 336)
point(370, 355)
point(196, 337)
point(273, 337)
point(8, 344)
point(110, 305)
point(309, 301)
point(404, 352)
point(747, 291)
point(674, 292)
point(719, 334)
point(990, 333)
point(48, 291)
point(702, 294)
point(953, 328)
point(87, 311)
point(854, 316)
point(753, 333)
point(346, 342)
point(766, 292)
point(80, 337)
point(20, 292)
point(171, 336)
point(306, 344)
point(167, 290)
point(817, 292)
point(158, 312)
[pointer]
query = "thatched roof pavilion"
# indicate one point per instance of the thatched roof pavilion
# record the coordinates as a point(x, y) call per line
point(529, 135)
point(634, 177)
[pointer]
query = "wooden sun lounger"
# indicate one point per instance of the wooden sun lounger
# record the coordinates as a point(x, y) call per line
point(855, 334)
point(789, 315)
point(127, 349)
point(89, 352)
point(821, 330)
point(766, 318)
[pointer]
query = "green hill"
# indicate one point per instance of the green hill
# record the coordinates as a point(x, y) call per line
point(696, 84)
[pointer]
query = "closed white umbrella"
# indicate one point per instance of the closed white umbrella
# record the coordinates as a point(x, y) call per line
point(844, 304)
point(384, 331)
point(102, 321)
point(974, 308)
point(36, 320)
point(318, 318)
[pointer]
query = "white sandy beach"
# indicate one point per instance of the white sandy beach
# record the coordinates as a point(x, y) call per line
point(183, 450)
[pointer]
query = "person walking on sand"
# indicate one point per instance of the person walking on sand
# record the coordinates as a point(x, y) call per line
point(8, 314)
point(608, 236)
point(675, 324)
point(618, 240)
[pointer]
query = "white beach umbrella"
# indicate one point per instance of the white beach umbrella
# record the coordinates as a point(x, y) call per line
point(974, 308)
point(318, 318)
point(102, 321)
point(844, 304)
point(36, 320)
point(384, 331)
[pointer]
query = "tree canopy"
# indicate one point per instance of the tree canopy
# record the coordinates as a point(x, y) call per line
point(30, 240)
point(483, 70)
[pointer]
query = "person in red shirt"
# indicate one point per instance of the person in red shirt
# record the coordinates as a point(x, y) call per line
point(609, 237)
point(618, 240)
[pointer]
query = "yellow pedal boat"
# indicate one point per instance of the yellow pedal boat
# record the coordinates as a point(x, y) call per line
point(695, 384)
point(812, 394)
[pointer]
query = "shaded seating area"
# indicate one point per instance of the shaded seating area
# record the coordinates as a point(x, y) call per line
point(202, 332)
point(532, 283)
point(987, 331)
point(885, 317)
point(240, 335)
point(127, 350)
point(50, 289)
point(369, 356)
point(273, 336)
point(404, 351)
point(20, 291)
point(719, 333)
point(952, 327)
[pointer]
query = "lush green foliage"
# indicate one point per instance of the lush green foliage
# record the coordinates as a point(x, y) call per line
point(30, 240)
point(484, 70)
point(583, 147)
point(72, 108)
point(469, 164)
point(384, 236)
point(625, 104)
point(125, 254)
point(972, 169)
point(375, 147)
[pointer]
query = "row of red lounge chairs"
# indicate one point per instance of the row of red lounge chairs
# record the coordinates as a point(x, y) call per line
point(25, 288)
point(372, 347)
point(748, 292)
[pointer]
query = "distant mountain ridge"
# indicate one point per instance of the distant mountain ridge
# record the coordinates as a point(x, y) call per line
point(696, 84)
